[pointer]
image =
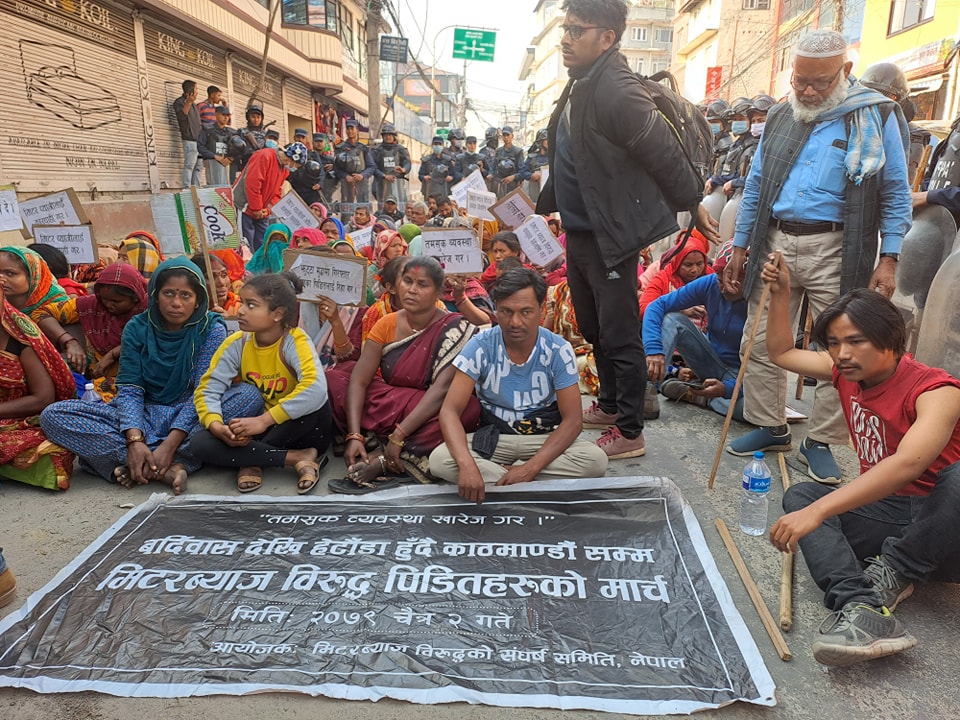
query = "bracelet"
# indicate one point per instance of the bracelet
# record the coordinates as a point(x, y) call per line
point(67, 335)
point(461, 301)
point(398, 443)
point(136, 439)
point(355, 436)
point(400, 430)
point(344, 344)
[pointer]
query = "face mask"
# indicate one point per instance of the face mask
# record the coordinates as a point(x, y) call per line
point(757, 129)
point(271, 144)
point(716, 127)
point(739, 127)
point(437, 149)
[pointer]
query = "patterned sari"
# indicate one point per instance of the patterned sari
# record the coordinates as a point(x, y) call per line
point(25, 453)
point(407, 369)
point(560, 318)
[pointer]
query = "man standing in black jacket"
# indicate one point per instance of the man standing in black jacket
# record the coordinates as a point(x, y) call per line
point(619, 176)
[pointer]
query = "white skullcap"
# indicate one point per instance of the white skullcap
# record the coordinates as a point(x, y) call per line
point(822, 44)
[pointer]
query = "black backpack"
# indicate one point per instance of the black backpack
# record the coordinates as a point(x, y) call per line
point(690, 126)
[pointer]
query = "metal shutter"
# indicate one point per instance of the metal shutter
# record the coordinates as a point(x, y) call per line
point(299, 99)
point(245, 75)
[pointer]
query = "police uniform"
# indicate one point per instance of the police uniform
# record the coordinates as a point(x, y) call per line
point(387, 159)
point(537, 160)
point(435, 169)
point(353, 159)
point(507, 161)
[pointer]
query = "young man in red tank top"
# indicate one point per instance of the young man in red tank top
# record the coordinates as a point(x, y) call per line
point(867, 542)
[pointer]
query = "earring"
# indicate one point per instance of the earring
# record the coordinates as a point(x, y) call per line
point(276, 319)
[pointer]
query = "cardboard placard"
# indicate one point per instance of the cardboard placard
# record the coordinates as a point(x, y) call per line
point(9, 209)
point(537, 242)
point(362, 238)
point(457, 249)
point(76, 242)
point(512, 209)
point(294, 212)
point(341, 278)
point(473, 181)
point(167, 221)
point(57, 208)
point(221, 224)
point(479, 202)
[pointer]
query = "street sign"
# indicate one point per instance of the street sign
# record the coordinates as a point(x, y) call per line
point(443, 132)
point(393, 49)
point(474, 44)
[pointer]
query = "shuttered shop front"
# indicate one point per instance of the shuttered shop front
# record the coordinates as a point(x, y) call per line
point(172, 57)
point(72, 101)
point(299, 98)
point(245, 76)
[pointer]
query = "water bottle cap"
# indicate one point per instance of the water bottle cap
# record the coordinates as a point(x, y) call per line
point(758, 455)
point(88, 386)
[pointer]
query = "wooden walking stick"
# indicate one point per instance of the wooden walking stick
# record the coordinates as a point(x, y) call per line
point(754, 592)
point(786, 565)
point(743, 367)
point(921, 169)
point(807, 321)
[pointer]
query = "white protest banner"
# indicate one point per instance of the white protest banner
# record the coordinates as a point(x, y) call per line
point(294, 212)
point(341, 278)
point(473, 181)
point(167, 221)
point(537, 242)
point(479, 202)
point(74, 241)
point(9, 209)
point(457, 249)
point(362, 238)
point(512, 209)
point(56, 208)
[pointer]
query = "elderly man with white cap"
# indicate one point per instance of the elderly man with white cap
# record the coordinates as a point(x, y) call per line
point(829, 174)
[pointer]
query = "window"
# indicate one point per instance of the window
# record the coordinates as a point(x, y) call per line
point(905, 14)
point(638, 34)
point(664, 35)
point(315, 13)
point(756, 4)
point(660, 66)
point(639, 66)
point(345, 17)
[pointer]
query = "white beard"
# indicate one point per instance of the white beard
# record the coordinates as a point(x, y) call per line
point(810, 113)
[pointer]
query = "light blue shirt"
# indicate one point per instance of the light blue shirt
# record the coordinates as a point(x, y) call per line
point(815, 190)
point(511, 391)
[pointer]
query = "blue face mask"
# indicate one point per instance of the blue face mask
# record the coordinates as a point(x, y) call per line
point(739, 127)
point(437, 149)
point(716, 127)
point(271, 144)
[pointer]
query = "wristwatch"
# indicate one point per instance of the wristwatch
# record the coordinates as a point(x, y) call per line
point(893, 256)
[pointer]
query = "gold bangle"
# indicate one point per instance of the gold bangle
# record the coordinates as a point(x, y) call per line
point(136, 439)
point(398, 443)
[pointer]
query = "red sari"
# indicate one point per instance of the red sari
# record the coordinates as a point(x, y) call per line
point(25, 453)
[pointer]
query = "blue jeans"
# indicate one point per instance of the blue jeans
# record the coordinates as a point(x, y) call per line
point(915, 534)
point(191, 164)
point(677, 332)
point(253, 230)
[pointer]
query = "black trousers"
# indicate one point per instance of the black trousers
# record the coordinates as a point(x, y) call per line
point(605, 302)
point(270, 449)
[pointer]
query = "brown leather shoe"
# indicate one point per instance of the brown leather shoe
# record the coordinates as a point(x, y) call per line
point(8, 587)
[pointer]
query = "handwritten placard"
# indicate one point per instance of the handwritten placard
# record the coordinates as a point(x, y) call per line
point(294, 212)
point(167, 221)
point(362, 238)
point(457, 249)
point(512, 209)
point(479, 202)
point(341, 278)
point(9, 209)
point(76, 242)
point(56, 208)
point(537, 242)
point(473, 181)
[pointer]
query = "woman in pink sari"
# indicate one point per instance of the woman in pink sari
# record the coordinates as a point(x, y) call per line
point(388, 401)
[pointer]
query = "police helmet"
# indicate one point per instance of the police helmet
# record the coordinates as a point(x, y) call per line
point(491, 133)
point(740, 106)
point(541, 135)
point(388, 129)
point(456, 134)
point(716, 109)
point(312, 170)
point(506, 167)
point(762, 103)
point(236, 146)
point(254, 109)
point(888, 79)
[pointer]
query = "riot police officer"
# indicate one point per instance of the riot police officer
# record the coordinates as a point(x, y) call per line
point(391, 168)
point(324, 154)
point(455, 137)
point(353, 166)
point(307, 182)
point(737, 119)
point(488, 154)
point(253, 134)
point(469, 160)
point(537, 160)
point(213, 146)
point(722, 139)
point(438, 169)
point(757, 117)
point(508, 163)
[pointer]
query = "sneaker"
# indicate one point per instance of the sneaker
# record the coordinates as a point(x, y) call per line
point(8, 587)
point(893, 587)
point(819, 461)
point(596, 419)
point(761, 439)
point(859, 632)
point(617, 447)
point(651, 403)
point(677, 390)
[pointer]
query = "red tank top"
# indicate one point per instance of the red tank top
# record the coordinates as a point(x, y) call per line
point(879, 417)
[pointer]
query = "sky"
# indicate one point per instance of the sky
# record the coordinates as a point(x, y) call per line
point(491, 86)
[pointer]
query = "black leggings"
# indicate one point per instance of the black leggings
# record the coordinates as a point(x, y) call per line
point(270, 449)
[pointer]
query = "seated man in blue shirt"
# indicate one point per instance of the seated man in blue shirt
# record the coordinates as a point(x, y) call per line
point(715, 357)
point(526, 380)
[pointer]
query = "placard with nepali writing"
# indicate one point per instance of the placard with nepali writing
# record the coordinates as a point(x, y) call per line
point(537, 242)
point(513, 208)
point(457, 249)
point(593, 594)
point(76, 242)
point(53, 209)
point(479, 202)
point(9, 209)
point(293, 212)
point(473, 181)
point(362, 238)
point(341, 278)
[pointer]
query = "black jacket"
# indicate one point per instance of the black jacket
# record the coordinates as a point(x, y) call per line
point(631, 170)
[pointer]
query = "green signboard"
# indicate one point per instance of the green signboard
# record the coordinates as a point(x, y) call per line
point(443, 132)
point(474, 44)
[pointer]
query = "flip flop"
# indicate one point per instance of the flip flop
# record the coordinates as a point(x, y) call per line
point(346, 486)
point(256, 480)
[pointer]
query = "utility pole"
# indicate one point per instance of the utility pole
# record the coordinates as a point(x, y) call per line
point(372, 24)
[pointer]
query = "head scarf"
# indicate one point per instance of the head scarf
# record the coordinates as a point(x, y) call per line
point(382, 243)
point(234, 264)
point(43, 288)
point(336, 221)
point(161, 361)
point(322, 208)
point(409, 231)
point(269, 257)
point(672, 260)
point(383, 223)
point(334, 244)
point(150, 238)
point(142, 255)
point(312, 234)
point(102, 329)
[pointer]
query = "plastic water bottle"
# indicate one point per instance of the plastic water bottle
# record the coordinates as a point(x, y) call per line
point(754, 501)
point(90, 395)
